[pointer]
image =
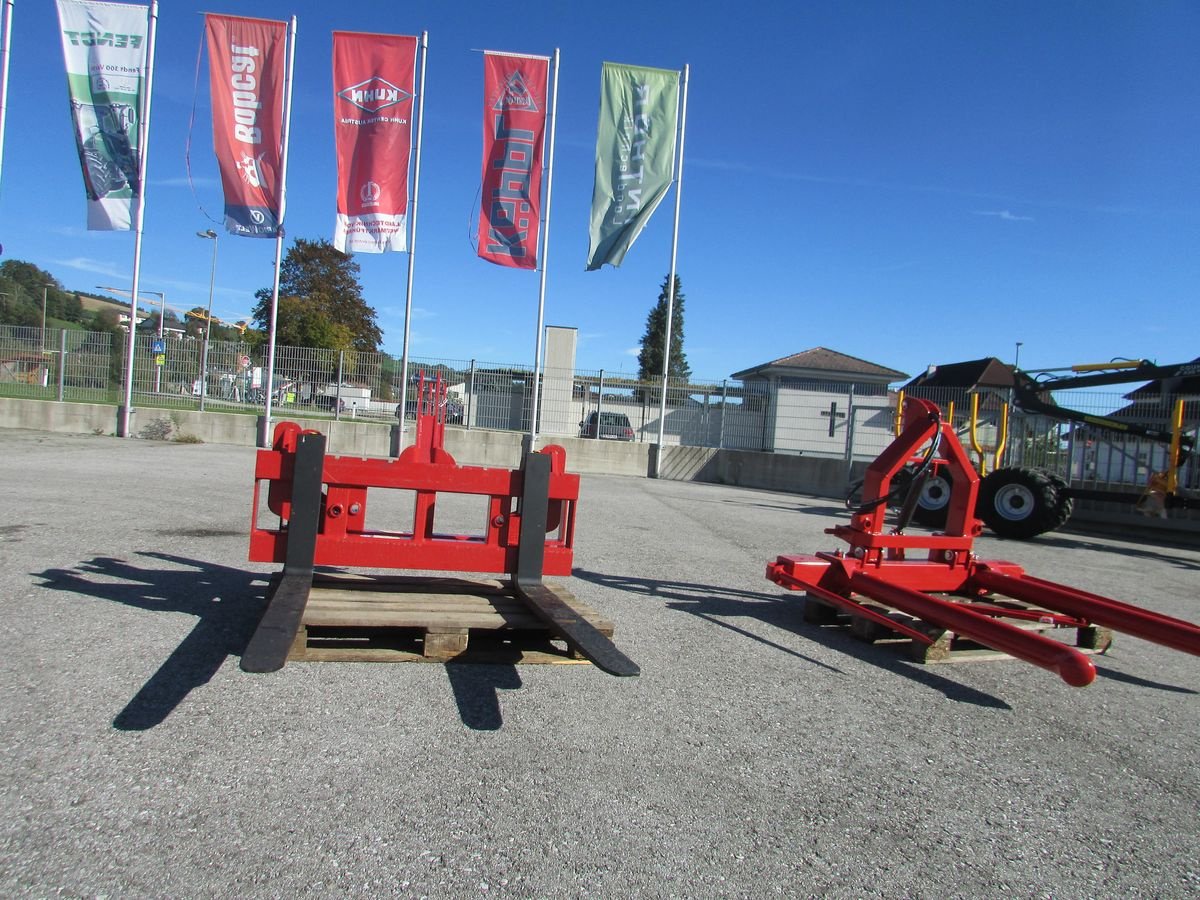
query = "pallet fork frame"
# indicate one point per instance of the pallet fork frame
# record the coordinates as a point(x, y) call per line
point(321, 503)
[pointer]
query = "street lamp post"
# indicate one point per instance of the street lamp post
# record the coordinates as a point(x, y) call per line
point(162, 312)
point(42, 338)
point(1017, 359)
point(212, 280)
point(42, 341)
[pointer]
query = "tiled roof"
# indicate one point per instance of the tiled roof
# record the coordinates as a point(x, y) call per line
point(989, 372)
point(822, 359)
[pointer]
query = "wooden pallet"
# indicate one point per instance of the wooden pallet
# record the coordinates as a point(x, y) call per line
point(406, 618)
point(947, 646)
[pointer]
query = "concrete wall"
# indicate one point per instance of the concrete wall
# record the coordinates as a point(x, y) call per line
point(476, 447)
point(502, 449)
point(768, 471)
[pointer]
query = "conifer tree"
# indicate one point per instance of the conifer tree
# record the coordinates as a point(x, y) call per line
point(650, 359)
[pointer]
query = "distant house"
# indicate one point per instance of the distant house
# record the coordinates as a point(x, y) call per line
point(954, 383)
point(970, 376)
point(1160, 395)
point(816, 400)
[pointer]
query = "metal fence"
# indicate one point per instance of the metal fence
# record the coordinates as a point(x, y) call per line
point(1083, 454)
point(811, 418)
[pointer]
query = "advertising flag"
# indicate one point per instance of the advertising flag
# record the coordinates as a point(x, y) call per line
point(246, 70)
point(373, 77)
point(635, 156)
point(104, 46)
point(514, 126)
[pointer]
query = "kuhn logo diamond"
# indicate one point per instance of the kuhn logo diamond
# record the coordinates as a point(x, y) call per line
point(374, 94)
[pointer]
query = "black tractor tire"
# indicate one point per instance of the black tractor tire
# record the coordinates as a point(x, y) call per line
point(1020, 503)
point(934, 502)
point(1066, 503)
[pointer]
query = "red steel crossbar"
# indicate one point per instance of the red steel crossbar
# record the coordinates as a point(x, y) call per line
point(426, 470)
point(877, 567)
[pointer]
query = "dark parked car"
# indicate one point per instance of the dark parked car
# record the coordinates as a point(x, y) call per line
point(613, 427)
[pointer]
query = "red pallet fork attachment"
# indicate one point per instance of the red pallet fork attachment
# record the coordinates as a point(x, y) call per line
point(877, 567)
point(321, 502)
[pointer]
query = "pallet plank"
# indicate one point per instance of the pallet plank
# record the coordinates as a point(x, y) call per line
point(357, 618)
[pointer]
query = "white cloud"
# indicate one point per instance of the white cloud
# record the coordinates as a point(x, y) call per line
point(1003, 214)
point(83, 264)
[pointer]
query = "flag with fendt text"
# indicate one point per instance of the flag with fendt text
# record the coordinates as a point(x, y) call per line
point(635, 156)
point(246, 68)
point(373, 76)
point(104, 47)
point(514, 128)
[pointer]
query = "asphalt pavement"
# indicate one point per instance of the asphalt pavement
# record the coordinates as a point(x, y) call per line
point(756, 755)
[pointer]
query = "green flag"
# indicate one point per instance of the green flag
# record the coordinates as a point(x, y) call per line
point(635, 156)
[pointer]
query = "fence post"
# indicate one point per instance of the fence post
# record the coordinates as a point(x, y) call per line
point(62, 364)
point(471, 393)
point(599, 404)
point(721, 430)
point(337, 391)
point(850, 423)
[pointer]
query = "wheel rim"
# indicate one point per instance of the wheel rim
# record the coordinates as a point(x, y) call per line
point(1014, 502)
point(935, 493)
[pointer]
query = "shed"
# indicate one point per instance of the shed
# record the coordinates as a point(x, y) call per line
point(815, 401)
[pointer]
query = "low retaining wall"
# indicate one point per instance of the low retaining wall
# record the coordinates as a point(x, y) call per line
point(502, 449)
point(767, 471)
point(346, 437)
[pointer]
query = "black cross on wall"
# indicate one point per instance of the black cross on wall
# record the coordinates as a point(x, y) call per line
point(833, 415)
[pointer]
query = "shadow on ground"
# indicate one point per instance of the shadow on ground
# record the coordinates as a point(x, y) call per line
point(477, 692)
point(718, 605)
point(227, 604)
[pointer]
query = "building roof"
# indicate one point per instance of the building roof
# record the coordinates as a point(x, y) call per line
point(975, 373)
point(823, 363)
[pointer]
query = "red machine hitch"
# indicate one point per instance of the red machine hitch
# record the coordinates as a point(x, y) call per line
point(877, 567)
point(321, 502)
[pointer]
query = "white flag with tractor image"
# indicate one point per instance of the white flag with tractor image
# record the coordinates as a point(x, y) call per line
point(104, 46)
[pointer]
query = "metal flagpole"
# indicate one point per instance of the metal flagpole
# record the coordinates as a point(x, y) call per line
point(5, 42)
point(412, 238)
point(541, 316)
point(662, 408)
point(264, 435)
point(125, 412)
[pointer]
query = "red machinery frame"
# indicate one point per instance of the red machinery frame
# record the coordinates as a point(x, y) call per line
point(878, 567)
point(321, 502)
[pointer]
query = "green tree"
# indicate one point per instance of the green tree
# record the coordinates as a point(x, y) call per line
point(26, 288)
point(320, 301)
point(650, 359)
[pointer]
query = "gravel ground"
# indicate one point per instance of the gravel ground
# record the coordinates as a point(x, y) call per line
point(756, 754)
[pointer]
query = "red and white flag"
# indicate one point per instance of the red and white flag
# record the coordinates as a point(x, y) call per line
point(246, 67)
point(373, 76)
point(514, 126)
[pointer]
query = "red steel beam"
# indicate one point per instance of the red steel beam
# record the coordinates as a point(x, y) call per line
point(1071, 666)
point(1104, 611)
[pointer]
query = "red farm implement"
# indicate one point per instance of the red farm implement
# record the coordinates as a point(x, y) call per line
point(321, 505)
point(937, 580)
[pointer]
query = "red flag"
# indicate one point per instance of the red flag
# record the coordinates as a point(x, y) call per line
point(514, 124)
point(246, 60)
point(373, 76)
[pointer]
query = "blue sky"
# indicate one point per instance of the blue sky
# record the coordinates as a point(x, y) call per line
point(907, 183)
